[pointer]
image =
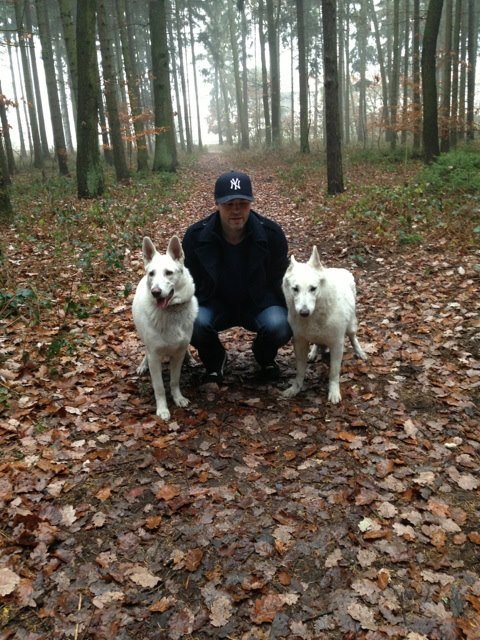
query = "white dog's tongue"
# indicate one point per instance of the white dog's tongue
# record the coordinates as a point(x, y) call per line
point(164, 302)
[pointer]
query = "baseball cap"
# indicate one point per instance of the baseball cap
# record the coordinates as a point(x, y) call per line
point(233, 185)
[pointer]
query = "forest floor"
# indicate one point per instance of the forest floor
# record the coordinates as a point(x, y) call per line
point(247, 516)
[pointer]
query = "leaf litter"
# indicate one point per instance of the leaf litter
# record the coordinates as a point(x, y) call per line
point(248, 516)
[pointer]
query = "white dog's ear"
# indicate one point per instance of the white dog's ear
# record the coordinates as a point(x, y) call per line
point(175, 250)
point(148, 249)
point(314, 260)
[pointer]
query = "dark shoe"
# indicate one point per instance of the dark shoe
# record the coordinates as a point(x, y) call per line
point(270, 371)
point(217, 375)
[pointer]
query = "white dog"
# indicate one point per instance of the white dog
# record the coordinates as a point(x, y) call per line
point(164, 309)
point(321, 310)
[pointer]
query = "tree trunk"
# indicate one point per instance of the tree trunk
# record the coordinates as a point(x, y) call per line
point(242, 130)
point(27, 78)
point(266, 106)
point(4, 171)
point(165, 151)
point(178, 104)
point(334, 147)
point(417, 108)
point(302, 78)
point(472, 55)
point(395, 76)
point(455, 75)
point(194, 69)
point(68, 28)
point(431, 148)
point(6, 135)
point(347, 85)
point(6, 211)
point(406, 59)
point(362, 52)
point(244, 33)
point(36, 83)
point(110, 88)
point(274, 74)
point(447, 81)
point(64, 103)
point(89, 167)
point(133, 90)
point(383, 73)
point(23, 151)
point(188, 126)
point(52, 93)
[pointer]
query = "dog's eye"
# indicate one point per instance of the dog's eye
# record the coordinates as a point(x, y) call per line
point(312, 289)
point(151, 273)
point(168, 272)
point(295, 289)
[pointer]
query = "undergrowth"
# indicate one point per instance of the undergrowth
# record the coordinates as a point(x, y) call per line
point(443, 198)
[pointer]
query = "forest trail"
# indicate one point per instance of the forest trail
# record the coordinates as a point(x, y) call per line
point(248, 516)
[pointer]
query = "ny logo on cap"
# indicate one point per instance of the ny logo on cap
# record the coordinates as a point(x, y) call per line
point(235, 183)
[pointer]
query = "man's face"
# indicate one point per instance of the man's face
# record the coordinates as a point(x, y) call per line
point(234, 215)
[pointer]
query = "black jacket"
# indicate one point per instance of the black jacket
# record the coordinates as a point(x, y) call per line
point(267, 262)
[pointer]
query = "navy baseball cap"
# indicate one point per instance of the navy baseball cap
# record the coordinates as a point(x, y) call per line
point(233, 185)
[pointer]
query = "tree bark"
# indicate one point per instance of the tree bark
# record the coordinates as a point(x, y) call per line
point(68, 28)
point(274, 74)
point(446, 80)
point(90, 183)
point(263, 58)
point(472, 55)
point(133, 90)
point(417, 108)
point(431, 148)
point(194, 69)
point(110, 88)
point(395, 75)
point(52, 93)
point(381, 64)
point(6, 135)
point(165, 150)
point(27, 78)
point(302, 78)
point(186, 116)
point(334, 147)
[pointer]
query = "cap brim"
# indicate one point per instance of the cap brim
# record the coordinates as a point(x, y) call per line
point(233, 197)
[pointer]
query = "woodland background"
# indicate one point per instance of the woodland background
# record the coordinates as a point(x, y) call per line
point(245, 516)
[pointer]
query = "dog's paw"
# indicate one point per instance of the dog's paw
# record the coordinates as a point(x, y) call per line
point(291, 391)
point(143, 366)
point(334, 395)
point(181, 401)
point(163, 413)
point(362, 355)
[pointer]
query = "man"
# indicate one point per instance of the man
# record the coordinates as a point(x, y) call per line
point(237, 259)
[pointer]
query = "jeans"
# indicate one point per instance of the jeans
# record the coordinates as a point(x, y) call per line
point(270, 325)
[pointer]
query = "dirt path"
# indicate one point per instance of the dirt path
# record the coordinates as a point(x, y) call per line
point(247, 516)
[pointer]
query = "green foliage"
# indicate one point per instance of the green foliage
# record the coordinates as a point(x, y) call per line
point(24, 300)
point(454, 172)
point(406, 212)
point(383, 157)
point(5, 398)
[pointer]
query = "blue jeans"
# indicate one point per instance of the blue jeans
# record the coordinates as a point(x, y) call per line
point(270, 325)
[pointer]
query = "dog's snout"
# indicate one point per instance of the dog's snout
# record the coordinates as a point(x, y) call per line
point(157, 293)
point(304, 313)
